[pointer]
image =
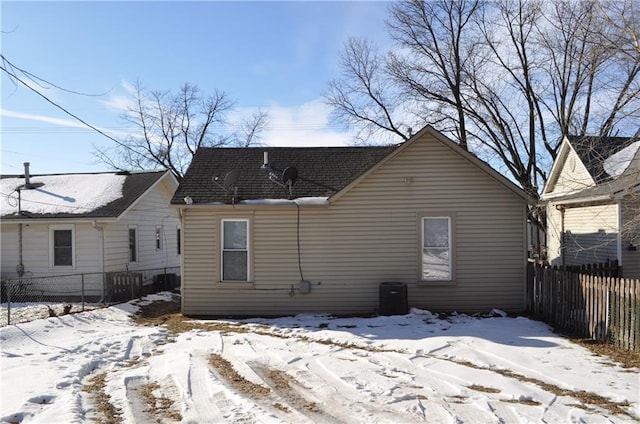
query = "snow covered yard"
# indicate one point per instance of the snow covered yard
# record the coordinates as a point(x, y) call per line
point(102, 366)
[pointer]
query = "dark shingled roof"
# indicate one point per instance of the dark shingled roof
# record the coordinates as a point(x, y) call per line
point(135, 184)
point(593, 151)
point(322, 171)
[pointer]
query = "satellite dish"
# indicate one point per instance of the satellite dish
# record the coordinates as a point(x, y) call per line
point(290, 175)
point(231, 179)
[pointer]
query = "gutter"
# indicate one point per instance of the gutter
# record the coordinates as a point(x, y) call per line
point(70, 220)
point(578, 201)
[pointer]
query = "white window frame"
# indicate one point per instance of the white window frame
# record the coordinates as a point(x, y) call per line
point(423, 220)
point(137, 244)
point(248, 249)
point(52, 230)
point(158, 238)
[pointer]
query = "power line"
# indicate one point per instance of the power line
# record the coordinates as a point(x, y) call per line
point(16, 78)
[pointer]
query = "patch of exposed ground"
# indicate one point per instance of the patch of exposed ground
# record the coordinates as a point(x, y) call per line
point(625, 358)
point(158, 406)
point(484, 389)
point(108, 414)
point(282, 384)
point(226, 370)
point(587, 398)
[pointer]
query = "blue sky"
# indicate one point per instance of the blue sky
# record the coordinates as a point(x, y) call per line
point(277, 56)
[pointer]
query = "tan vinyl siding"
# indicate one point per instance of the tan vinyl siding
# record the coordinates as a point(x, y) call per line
point(368, 236)
point(590, 234)
point(631, 234)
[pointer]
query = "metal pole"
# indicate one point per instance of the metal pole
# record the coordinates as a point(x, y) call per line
point(9, 302)
point(82, 294)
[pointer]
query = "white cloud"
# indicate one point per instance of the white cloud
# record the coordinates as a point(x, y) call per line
point(121, 102)
point(304, 125)
point(41, 118)
point(61, 122)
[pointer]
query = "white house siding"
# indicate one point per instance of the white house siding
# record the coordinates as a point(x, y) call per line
point(150, 211)
point(369, 236)
point(9, 246)
point(590, 234)
point(631, 234)
point(36, 258)
point(572, 175)
point(554, 235)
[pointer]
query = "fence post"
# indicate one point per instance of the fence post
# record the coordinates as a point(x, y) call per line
point(82, 292)
point(8, 302)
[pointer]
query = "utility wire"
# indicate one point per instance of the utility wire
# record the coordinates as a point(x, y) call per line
point(36, 78)
point(14, 76)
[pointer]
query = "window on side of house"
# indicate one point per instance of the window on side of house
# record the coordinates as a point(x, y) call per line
point(133, 243)
point(436, 248)
point(62, 246)
point(235, 250)
point(179, 243)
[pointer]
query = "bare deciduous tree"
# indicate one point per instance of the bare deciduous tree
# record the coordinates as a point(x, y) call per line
point(366, 98)
point(506, 79)
point(169, 127)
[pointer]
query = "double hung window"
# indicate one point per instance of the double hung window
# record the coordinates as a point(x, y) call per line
point(133, 243)
point(62, 245)
point(436, 249)
point(235, 250)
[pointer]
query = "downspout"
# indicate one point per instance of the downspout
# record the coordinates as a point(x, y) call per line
point(20, 266)
point(620, 228)
point(100, 231)
point(562, 246)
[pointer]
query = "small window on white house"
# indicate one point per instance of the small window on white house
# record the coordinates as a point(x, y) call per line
point(179, 244)
point(158, 237)
point(62, 246)
point(235, 250)
point(133, 243)
point(436, 248)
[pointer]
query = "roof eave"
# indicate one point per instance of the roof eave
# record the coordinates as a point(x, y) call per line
point(56, 220)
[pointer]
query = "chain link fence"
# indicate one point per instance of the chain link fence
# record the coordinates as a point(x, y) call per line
point(29, 298)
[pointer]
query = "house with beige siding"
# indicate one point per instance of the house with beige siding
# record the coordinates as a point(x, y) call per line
point(89, 223)
point(592, 199)
point(284, 230)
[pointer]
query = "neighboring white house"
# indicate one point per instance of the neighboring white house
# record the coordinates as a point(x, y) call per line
point(593, 203)
point(70, 224)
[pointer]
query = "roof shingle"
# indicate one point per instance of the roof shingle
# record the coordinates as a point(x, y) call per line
point(322, 171)
point(593, 151)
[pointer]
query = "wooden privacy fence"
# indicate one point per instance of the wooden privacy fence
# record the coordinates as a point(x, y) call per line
point(601, 269)
point(603, 308)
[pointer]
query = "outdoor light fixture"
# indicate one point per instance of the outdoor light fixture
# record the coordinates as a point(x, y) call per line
point(632, 247)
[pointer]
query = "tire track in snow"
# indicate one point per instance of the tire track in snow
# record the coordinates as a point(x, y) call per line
point(206, 399)
point(313, 380)
point(295, 396)
point(351, 399)
point(461, 405)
